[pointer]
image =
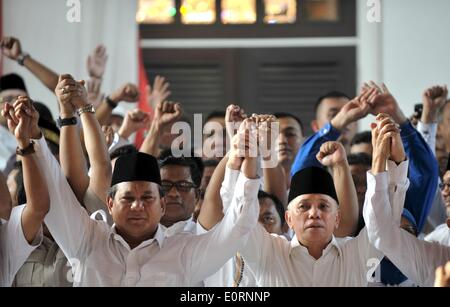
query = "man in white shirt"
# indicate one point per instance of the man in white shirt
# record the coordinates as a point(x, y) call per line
point(136, 251)
point(442, 233)
point(23, 232)
point(417, 259)
point(314, 257)
point(180, 181)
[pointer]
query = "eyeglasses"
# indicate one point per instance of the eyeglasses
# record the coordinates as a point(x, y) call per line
point(182, 186)
point(444, 185)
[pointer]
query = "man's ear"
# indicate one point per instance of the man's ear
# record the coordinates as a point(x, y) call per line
point(315, 125)
point(338, 218)
point(163, 205)
point(288, 218)
point(110, 204)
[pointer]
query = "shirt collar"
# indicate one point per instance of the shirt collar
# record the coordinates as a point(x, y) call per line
point(159, 237)
point(295, 244)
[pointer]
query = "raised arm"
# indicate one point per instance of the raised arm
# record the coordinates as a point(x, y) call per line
point(423, 167)
point(208, 252)
point(22, 125)
point(353, 111)
point(273, 172)
point(166, 113)
point(220, 190)
point(415, 258)
point(12, 49)
point(127, 93)
point(332, 154)
point(101, 171)
point(73, 162)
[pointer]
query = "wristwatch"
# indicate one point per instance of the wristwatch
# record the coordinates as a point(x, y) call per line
point(22, 58)
point(110, 103)
point(72, 121)
point(26, 151)
point(86, 109)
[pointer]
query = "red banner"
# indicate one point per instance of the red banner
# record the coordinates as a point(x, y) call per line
point(143, 101)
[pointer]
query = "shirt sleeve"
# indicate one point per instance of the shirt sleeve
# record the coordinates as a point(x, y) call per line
point(416, 259)
point(428, 133)
point(67, 220)
point(423, 174)
point(306, 157)
point(15, 247)
point(228, 186)
point(207, 253)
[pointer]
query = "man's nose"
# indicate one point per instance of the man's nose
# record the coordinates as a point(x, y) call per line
point(314, 213)
point(137, 205)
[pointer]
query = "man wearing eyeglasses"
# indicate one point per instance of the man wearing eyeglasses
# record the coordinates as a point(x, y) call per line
point(180, 179)
point(442, 233)
point(11, 87)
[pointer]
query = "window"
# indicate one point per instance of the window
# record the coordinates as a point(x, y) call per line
point(198, 11)
point(280, 11)
point(246, 18)
point(238, 11)
point(156, 11)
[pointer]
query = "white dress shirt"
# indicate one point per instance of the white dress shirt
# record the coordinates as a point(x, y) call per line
point(234, 272)
point(101, 257)
point(416, 259)
point(440, 235)
point(188, 226)
point(14, 248)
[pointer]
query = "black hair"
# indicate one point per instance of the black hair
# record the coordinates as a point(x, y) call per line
point(333, 94)
point(364, 137)
point(214, 114)
point(192, 163)
point(297, 119)
point(210, 163)
point(360, 159)
point(278, 205)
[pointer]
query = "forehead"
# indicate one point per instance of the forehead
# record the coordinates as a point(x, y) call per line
point(137, 187)
point(175, 171)
point(313, 198)
point(288, 122)
point(332, 103)
point(447, 176)
point(12, 92)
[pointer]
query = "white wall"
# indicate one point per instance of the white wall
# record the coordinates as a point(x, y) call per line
point(46, 34)
point(416, 47)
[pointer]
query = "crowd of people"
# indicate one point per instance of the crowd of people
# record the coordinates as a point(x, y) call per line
point(82, 205)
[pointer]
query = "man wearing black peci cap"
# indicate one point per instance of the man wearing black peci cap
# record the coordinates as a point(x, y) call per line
point(314, 257)
point(135, 251)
